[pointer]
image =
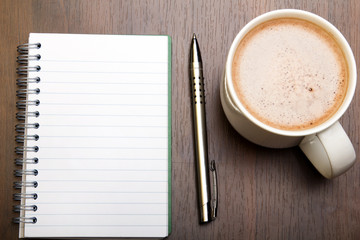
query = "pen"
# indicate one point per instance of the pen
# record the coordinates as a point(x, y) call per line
point(208, 208)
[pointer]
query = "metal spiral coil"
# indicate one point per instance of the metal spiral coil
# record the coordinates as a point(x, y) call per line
point(24, 48)
point(24, 70)
point(23, 138)
point(22, 104)
point(23, 81)
point(22, 161)
point(21, 149)
point(24, 58)
point(19, 196)
point(20, 128)
point(20, 173)
point(18, 208)
point(25, 220)
point(24, 115)
point(22, 93)
point(22, 184)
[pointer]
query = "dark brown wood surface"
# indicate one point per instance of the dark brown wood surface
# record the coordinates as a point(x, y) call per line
point(263, 193)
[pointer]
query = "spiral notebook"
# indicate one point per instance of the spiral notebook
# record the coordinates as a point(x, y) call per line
point(94, 136)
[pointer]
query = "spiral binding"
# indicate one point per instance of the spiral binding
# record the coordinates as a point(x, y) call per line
point(20, 173)
point(22, 161)
point(22, 184)
point(25, 58)
point(23, 138)
point(20, 128)
point(25, 220)
point(19, 196)
point(23, 115)
point(18, 208)
point(22, 104)
point(22, 93)
point(23, 70)
point(24, 48)
point(23, 81)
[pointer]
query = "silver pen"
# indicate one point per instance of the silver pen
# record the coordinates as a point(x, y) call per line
point(208, 207)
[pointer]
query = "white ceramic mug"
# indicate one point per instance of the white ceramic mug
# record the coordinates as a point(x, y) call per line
point(327, 145)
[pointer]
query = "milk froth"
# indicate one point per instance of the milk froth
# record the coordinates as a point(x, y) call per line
point(290, 74)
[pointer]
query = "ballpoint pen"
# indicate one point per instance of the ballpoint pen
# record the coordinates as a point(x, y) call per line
point(208, 208)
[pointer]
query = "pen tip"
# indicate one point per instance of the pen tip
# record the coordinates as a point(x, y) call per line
point(194, 36)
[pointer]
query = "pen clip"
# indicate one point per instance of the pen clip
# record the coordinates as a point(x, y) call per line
point(214, 197)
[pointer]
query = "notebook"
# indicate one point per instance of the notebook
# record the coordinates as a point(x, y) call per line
point(94, 136)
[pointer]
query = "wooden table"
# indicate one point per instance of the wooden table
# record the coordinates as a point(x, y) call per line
point(264, 193)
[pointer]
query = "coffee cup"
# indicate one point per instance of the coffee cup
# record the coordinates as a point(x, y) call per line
point(289, 77)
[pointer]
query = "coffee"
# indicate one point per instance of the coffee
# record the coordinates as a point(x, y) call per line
point(290, 74)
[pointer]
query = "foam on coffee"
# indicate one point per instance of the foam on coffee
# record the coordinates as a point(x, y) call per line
point(290, 74)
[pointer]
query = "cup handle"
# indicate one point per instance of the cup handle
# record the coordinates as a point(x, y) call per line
point(330, 151)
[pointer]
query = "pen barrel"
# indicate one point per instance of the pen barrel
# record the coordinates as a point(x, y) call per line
point(198, 105)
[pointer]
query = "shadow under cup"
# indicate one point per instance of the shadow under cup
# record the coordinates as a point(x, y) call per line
point(252, 128)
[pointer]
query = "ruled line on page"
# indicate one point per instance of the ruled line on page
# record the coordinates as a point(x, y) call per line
point(106, 126)
point(100, 61)
point(103, 203)
point(135, 148)
point(110, 159)
point(97, 226)
point(108, 170)
point(100, 93)
point(115, 83)
point(103, 192)
point(102, 115)
point(99, 214)
point(95, 72)
point(105, 104)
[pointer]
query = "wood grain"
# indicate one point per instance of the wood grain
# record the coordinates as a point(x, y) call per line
point(264, 193)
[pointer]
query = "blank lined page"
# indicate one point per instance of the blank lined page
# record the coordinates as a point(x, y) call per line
point(104, 136)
